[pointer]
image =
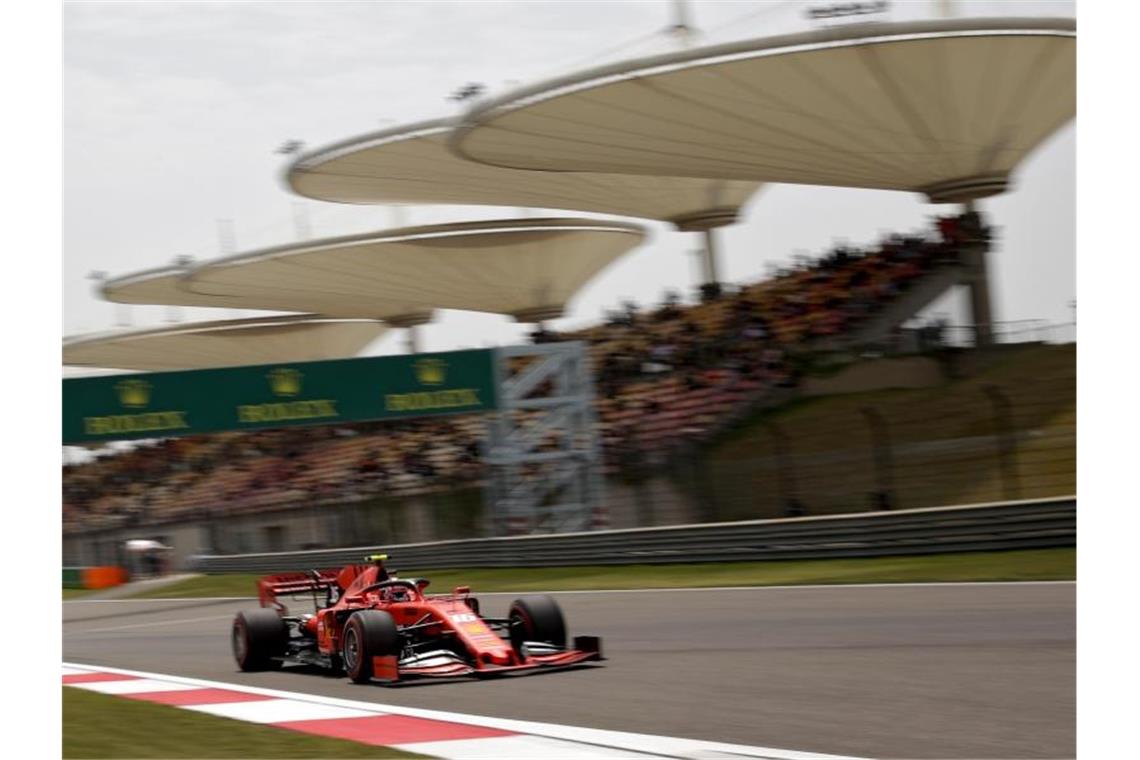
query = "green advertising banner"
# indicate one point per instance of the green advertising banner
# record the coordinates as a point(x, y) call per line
point(165, 404)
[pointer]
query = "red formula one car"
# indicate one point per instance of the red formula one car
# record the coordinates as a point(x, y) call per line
point(373, 625)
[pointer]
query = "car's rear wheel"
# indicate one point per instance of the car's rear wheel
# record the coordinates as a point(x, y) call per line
point(536, 618)
point(368, 634)
point(258, 636)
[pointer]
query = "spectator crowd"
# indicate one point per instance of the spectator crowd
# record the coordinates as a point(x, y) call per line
point(666, 378)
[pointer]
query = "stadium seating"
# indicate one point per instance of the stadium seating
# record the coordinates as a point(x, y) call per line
point(665, 378)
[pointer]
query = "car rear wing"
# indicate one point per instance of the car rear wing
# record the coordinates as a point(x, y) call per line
point(271, 587)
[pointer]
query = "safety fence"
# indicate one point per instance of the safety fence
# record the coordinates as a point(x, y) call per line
point(982, 527)
point(1016, 331)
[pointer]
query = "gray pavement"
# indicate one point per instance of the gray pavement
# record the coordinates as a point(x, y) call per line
point(937, 671)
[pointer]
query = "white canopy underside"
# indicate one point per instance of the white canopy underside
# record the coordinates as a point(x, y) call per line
point(414, 165)
point(894, 106)
point(224, 343)
point(516, 267)
point(162, 287)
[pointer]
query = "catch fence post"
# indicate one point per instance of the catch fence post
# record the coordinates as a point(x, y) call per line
point(884, 461)
point(785, 465)
point(1003, 424)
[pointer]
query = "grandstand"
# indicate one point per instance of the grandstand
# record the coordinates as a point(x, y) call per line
point(919, 106)
point(668, 379)
point(944, 444)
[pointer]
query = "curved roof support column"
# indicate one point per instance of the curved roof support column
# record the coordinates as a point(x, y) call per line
point(411, 324)
point(706, 222)
point(978, 283)
point(413, 339)
point(539, 315)
point(711, 276)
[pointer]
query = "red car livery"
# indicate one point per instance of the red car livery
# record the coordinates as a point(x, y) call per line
point(374, 625)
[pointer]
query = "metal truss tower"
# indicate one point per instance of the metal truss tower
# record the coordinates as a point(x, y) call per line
point(542, 448)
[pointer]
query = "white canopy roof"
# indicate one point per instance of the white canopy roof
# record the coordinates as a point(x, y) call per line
point(224, 343)
point(161, 286)
point(947, 108)
point(527, 268)
point(412, 164)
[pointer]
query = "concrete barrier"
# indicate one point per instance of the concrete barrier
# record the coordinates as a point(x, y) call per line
point(980, 527)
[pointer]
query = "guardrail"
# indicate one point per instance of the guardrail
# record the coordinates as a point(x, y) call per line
point(980, 527)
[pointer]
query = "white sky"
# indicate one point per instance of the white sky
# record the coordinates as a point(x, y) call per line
point(173, 112)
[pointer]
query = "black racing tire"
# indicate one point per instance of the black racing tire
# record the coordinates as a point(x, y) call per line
point(536, 618)
point(473, 603)
point(257, 637)
point(368, 634)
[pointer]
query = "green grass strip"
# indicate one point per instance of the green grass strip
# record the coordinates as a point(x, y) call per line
point(73, 593)
point(1026, 565)
point(103, 726)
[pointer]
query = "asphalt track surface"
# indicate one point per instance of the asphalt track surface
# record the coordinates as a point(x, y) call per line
point(915, 671)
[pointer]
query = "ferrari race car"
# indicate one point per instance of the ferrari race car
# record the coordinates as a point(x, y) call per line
point(373, 625)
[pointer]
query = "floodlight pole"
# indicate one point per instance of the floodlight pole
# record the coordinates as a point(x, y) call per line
point(680, 28)
point(227, 242)
point(301, 226)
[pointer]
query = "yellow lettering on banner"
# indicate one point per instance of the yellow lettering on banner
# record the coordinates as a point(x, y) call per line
point(427, 400)
point(287, 410)
point(118, 424)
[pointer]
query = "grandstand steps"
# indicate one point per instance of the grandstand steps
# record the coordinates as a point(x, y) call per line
point(877, 328)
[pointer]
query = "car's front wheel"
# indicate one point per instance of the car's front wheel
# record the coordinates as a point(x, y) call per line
point(368, 634)
point(536, 618)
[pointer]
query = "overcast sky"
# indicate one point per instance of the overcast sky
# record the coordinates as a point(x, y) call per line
point(173, 113)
